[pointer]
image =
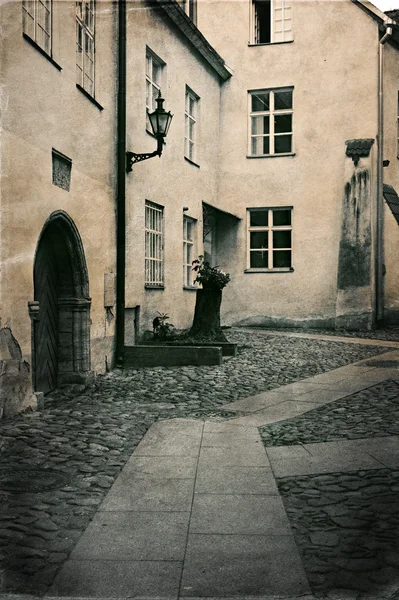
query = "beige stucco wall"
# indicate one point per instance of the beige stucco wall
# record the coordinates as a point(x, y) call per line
point(43, 109)
point(169, 181)
point(332, 65)
point(391, 177)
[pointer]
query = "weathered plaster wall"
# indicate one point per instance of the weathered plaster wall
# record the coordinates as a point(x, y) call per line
point(332, 65)
point(355, 291)
point(170, 181)
point(391, 177)
point(43, 109)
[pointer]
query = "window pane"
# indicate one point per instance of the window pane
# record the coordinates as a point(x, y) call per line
point(191, 105)
point(257, 145)
point(282, 259)
point(282, 123)
point(259, 125)
point(282, 100)
point(156, 73)
point(259, 218)
point(281, 217)
point(191, 129)
point(259, 260)
point(282, 143)
point(259, 239)
point(260, 102)
point(189, 230)
point(281, 239)
point(266, 148)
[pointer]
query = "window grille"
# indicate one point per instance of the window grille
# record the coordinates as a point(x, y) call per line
point(85, 45)
point(36, 16)
point(270, 239)
point(154, 245)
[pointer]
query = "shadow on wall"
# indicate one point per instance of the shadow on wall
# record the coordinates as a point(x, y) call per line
point(15, 378)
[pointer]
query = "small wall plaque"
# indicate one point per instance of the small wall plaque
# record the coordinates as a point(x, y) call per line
point(62, 166)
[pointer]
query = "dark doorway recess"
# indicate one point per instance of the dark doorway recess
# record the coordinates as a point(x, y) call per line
point(61, 310)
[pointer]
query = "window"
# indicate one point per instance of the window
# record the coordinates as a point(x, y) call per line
point(154, 255)
point(153, 76)
point(270, 239)
point(270, 122)
point(190, 8)
point(188, 251)
point(85, 45)
point(191, 124)
point(36, 16)
point(271, 21)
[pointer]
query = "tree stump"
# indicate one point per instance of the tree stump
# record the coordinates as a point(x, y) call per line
point(206, 324)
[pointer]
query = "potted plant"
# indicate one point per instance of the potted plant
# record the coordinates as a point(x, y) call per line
point(206, 323)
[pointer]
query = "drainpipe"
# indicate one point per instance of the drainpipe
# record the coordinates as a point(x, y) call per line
point(379, 248)
point(121, 187)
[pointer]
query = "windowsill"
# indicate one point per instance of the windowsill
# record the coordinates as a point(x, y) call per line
point(148, 286)
point(89, 97)
point(43, 52)
point(192, 162)
point(290, 270)
point(190, 288)
point(251, 45)
point(271, 155)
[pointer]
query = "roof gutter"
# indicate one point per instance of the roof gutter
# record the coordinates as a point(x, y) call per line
point(379, 246)
point(121, 187)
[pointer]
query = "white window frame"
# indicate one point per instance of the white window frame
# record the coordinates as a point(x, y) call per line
point(190, 8)
point(85, 45)
point(154, 245)
point(191, 117)
point(271, 113)
point(280, 22)
point(269, 228)
point(37, 23)
point(153, 86)
point(189, 245)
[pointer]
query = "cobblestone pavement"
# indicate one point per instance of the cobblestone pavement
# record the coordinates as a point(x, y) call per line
point(373, 412)
point(63, 459)
point(346, 526)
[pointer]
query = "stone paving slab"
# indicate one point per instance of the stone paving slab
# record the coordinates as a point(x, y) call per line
point(279, 412)
point(327, 457)
point(149, 493)
point(240, 565)
point(325, 338)
point(217, 479)
point(110, 579)
point(238, 514)
point(134, 536)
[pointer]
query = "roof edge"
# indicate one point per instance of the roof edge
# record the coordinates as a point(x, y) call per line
point(194, 36)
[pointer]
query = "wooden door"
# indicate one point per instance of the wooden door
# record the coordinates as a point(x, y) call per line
point(46, 293)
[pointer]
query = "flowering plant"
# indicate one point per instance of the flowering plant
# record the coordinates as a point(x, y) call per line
point(209, 277)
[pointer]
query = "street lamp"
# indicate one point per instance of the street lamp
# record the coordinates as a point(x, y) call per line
point(160, 122)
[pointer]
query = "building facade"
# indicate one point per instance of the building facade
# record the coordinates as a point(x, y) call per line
point(58, 157)
point(285, 131)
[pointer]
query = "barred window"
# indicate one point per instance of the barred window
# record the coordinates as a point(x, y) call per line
point(85, 38)
point(188, 251)
point(270, 239)
point(36, 16)
point(154, 245)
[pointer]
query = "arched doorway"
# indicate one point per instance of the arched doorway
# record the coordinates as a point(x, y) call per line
point(61, 310)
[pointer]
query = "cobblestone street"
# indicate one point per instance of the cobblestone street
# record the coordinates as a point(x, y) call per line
point(63, 459)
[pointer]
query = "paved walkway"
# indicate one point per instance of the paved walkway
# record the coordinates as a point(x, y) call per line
point(196, 512)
